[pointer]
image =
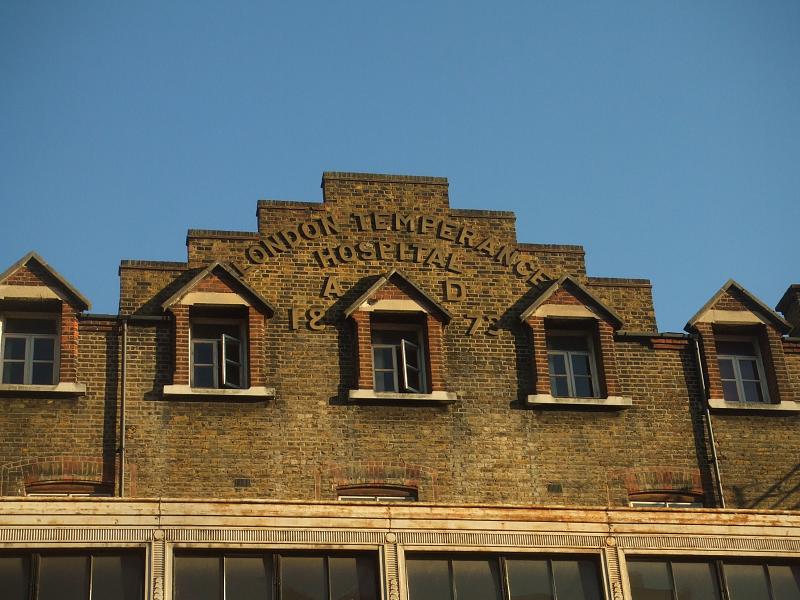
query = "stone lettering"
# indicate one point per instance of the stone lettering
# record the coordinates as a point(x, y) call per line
point(314, 317)
point(309, 230)
point(294, 318)
point(454, 290)
point(405, 223)
point(331, 289)
point(365, 250)
point(447, 231)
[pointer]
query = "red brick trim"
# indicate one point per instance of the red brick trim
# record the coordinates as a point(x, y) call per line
point(68, 344)
point(607, 359)
point(256, 362)
point(640, 480)
point(16, 476)
point(329, 478)
point(435, 353)
point(364, 350)
point(181, 365)
point(541, 370)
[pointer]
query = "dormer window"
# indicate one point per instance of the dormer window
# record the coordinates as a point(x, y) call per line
point(218, 359)
point(29, 349)
point(741, 370)
point(398, 357)
point(573, 370)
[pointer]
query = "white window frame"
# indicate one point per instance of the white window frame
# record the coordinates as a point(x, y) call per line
point(567, 354)
point(734, 358)
point(376, 370)
point(219, 358)
point(399, 363)
point(28, 367)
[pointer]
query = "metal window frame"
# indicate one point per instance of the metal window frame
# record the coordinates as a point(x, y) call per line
point(568, 354)
point(376, 370)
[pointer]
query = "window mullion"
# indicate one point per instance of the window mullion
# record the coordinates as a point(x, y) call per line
point(27, 376)
point(737, 373)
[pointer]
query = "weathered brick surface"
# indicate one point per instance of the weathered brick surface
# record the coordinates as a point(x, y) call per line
point(308, 440)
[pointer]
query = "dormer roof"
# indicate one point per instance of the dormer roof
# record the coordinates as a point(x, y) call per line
point(233, 279)
point(572, 286)
point(425, 302)
point(59, 287)
point(757, 307)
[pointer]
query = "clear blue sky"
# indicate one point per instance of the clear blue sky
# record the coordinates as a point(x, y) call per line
point(663, 136)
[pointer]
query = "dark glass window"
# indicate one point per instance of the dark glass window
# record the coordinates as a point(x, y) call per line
point(437, 577)
point(712, 580)
point(72, 576)
point(29, 351)
point(741, 371)
point(264, 576)
point(570, 359)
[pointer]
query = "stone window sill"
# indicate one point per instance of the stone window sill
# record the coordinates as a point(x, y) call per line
point(759, 407)
point(546, 401)
point(251, 393)
point(60, 390)
point(397, 398)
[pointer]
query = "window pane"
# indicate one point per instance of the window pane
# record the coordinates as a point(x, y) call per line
point(383, 358)
point(43, 349)
point(747, 582)
point(411, 354)
point(583, 387)
point(203, 353)
point(729, 391)
point(63, 578)
point(726, 368)
point(428, 579)
point(42, 373)
point(477, 579)
point(233, 374)
point(248, 577)
point(118, 577)
point(580, 364)
point(210, 331)
point(14, 372)
point(567, 342)
point(529, 580)
point(752, 391)
point(203, 377)
point(353, 578)
point(785, 582)
point(232, 348)
point(14, 577)
point(576, 579)
point(197, 578)
point(559, 387)
point(695, 580)
point(15, 349)
point(650, 580)
point(303, 578)
point(46, 326)
point(413, 379)
point(748, 369)
point(384, 381)
point(557, 363)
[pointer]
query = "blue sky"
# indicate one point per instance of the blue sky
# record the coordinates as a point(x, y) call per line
point(663, 136)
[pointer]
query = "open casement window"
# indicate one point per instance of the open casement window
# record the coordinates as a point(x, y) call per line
point(572, 365)
point(398, 358)
point(741, 370)
point(29, 349)
point(218, 357)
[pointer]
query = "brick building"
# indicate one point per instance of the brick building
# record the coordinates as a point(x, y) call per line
point(381, 396)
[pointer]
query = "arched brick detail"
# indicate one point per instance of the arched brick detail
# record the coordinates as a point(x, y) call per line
point(331, 477)
point(16, 476)
point(639, 480)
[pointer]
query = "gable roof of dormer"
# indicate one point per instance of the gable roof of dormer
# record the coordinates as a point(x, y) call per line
point(588, 299)
point(64, 290)
point(427, 302)
point(759, 308)
point(235, 282)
